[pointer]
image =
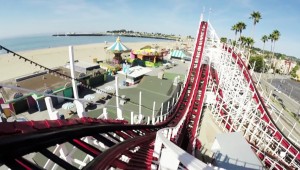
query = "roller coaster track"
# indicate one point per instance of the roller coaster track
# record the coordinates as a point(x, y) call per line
point(272, 128)
point(266, 158)
point(258, 122)
point(107, 143)
point(88, 143)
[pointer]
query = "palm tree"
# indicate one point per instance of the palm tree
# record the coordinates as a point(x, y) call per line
point(256, 17)
point(249, 42)
point(264, 39)
point(223, 39)
point(235, 29)
point(271, 37)
point(276, 34)
point(240, 27)
point(243, 40)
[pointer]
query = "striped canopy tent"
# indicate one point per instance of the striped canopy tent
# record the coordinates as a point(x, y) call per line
point(180, 54)
point(118, 48)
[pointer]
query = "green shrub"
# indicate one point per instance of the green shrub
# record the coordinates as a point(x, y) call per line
point(130, 60)
point(259, 63)
point(294, 71)
point(158, 64)
point(149, 64)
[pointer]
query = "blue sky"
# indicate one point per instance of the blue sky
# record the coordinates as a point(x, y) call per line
point(27, 17)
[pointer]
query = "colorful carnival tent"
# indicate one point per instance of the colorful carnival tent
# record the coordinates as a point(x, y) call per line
point(149, 52)
point(151, 55)
point(118, 48)
point(180, 54)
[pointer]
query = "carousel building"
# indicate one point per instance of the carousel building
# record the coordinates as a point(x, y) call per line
point(118, 48)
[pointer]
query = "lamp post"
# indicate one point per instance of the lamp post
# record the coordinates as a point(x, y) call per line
point(79, 106)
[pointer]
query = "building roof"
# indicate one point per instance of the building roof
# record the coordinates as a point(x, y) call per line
point(83, 64)
point(40, 81)
point(86, 67)
point(153, 89)
point(234, 152)
point(136, 71)
point(118, 47)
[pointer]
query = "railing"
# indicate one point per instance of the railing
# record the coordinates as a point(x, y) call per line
point(171, 155)
point(164, 149)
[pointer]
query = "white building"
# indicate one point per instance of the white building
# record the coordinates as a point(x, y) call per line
point(83, 67)
point(284, 66)
point(134, 74)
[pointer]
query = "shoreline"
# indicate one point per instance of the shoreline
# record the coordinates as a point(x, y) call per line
point(36, 42)
point(111, 34)
point(12, 67)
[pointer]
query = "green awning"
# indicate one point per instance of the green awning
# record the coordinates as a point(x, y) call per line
point(179, 54)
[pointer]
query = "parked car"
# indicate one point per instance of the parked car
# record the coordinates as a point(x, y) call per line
point(278, 91)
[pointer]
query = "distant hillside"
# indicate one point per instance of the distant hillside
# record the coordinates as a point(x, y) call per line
point(277, 55)
point(125, 32)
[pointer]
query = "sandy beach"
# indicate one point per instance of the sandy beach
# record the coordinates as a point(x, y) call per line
point(12, 67)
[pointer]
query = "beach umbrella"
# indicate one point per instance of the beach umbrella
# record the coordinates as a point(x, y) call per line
point(109, 88)
point(89, 97)
point(100, 91)
point(68, 106)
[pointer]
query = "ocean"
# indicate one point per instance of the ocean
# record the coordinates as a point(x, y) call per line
point(26, 43)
